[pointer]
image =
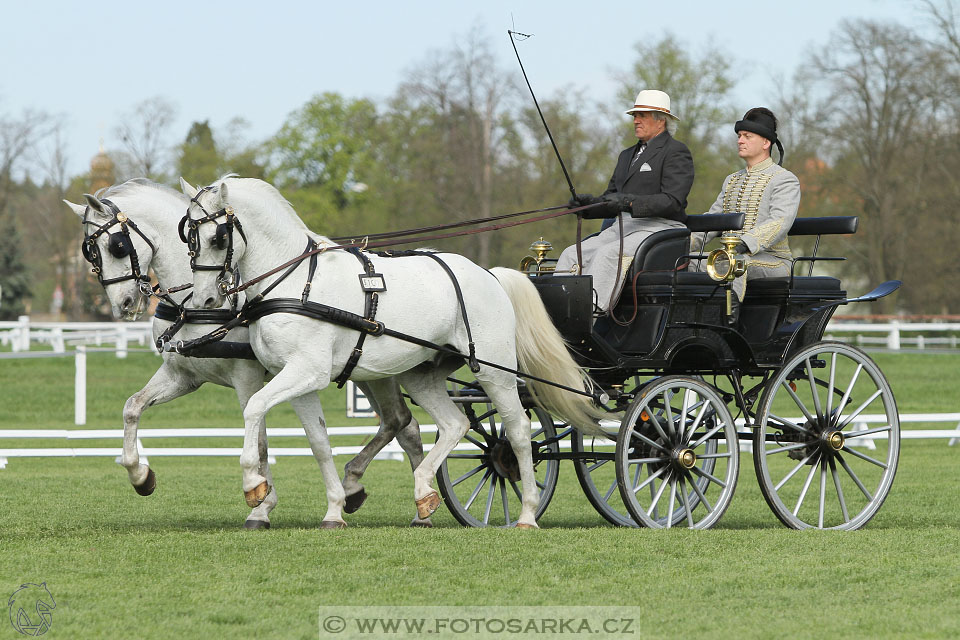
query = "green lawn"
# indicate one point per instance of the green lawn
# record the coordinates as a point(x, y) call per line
point(177, 563)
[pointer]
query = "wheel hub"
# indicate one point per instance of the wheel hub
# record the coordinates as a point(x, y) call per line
point(504, 461)
point(685, 458)
point(833, 440)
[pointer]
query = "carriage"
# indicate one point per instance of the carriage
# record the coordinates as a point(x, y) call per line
point(691, 388)
point(670, 363)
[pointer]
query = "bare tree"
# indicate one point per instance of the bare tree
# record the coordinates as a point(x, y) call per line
point(878, 96)
point(467, 94)
point(144, 132)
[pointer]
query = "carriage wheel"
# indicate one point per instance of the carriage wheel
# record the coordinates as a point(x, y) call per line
point(677, 455)
point(480, 479)
point(593, 462)
point(813, 427)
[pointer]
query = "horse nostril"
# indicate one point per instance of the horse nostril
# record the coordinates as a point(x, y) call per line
point(210, 303)
point(127, 303)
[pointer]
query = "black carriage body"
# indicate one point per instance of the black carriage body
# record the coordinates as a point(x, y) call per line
point(674, 321)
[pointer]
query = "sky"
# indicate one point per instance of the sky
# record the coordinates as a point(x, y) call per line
point(91, 62)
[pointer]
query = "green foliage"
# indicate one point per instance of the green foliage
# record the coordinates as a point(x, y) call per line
point(326, 148)
point(199, 160)
point(14, 276)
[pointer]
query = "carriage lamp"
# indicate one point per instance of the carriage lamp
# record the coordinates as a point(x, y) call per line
point(726, 265)
point(541, 248)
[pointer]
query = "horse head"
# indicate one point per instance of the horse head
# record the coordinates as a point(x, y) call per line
point(215, 240)
point(119, 253)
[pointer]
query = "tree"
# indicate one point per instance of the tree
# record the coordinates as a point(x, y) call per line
point(205, 155)
point(449, 119)
point(877, 87)
point(322, 153)
point(143, 131)
point(198, 159)
point(13, 272)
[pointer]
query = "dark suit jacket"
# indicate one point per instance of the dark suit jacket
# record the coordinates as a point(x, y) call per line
point(662, 191)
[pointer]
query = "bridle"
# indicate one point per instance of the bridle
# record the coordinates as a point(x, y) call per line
point(120, 246)
point(223, 239)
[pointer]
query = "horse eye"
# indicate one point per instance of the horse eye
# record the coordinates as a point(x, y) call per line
point(119, 246)
point(220, 239)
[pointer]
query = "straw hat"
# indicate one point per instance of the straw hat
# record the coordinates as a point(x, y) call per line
point(652, 100)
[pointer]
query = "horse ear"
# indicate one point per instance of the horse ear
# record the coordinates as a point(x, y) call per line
point(223, 192)
point(76, 208)
point(94, 203)
point(188, 189)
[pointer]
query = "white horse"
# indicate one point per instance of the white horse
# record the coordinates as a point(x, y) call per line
point(156, 210)
point(305, 354)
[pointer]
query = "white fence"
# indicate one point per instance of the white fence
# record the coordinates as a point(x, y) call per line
point(390, 452)
point(23, 333)
point(891, 334)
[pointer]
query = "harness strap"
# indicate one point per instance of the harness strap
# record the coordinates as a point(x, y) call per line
point(370, 312)
point(472, 361)
point(319, 311)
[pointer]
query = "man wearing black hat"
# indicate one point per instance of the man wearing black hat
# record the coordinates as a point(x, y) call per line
point(767, 193)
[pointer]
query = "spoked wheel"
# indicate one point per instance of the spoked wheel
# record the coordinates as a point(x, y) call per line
point(593, 461)
point(818, 460)
point(677, 455)
point(480, 479)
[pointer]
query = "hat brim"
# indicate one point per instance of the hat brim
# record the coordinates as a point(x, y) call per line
point(630, 112)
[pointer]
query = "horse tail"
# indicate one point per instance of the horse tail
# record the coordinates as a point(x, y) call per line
point(541, 351)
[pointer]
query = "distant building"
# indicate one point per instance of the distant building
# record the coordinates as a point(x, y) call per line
point(101, 171)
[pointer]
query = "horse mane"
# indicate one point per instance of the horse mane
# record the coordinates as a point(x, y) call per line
point(257, 188)
point(125, 188)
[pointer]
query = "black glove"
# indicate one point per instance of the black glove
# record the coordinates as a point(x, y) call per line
point(582, 200)
point(617, 202)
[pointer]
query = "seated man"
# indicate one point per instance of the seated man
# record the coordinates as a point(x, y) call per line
point(648, 191)
point(767, 193)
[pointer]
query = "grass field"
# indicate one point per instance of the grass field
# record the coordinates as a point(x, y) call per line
point(177, 563)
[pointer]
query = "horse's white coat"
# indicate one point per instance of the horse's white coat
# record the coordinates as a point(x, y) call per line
point(305, 354)
point(157, 211)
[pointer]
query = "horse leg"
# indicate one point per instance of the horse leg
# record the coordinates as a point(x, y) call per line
point(259, 517)
point(310, 412)
point(296, 384)
point(165, 385)
point(517, 426)
point(428, 389)
point(412, 444)
point(396, 421)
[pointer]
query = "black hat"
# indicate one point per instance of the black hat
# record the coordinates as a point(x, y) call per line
point(762, 122)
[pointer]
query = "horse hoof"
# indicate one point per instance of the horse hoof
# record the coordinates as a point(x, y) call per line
point(524, 525)
point(333, 524)
point(355, 501)
point(419, 522)
point(256, 524)
point(256, 495)
point(148, 485)
point(428, 504)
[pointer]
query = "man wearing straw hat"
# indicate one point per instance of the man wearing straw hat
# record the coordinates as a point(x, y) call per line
point(648, 193)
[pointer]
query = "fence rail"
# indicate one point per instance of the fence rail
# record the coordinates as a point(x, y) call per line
point(390, 452)
point(22, 333)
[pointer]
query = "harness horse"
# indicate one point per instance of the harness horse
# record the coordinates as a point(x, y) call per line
point(131, 229)
point(457, 310)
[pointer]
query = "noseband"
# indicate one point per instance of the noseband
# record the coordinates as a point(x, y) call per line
point(120, 246)
point(223, 239)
